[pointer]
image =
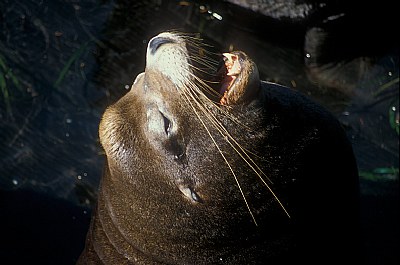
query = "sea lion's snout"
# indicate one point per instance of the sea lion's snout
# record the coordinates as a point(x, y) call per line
point(182, 61)
point(156, 42)
point(167, 55)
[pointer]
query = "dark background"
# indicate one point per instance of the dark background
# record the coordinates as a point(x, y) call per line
point(62, 62)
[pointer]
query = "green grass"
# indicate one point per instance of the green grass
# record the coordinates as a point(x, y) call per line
point(7, 76)
point(71, 60)
point(382, 173)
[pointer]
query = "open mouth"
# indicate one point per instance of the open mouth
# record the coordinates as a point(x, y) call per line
point(227, 75)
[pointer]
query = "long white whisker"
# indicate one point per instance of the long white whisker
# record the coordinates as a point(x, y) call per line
point(223, 156)
point(196, 88)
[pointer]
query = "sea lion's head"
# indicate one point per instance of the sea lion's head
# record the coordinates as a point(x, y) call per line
point(179, 172)
point(208, 165)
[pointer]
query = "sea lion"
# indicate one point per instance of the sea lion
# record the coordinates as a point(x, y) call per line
point(194, 175)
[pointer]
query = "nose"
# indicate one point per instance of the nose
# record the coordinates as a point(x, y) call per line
point(156, 43)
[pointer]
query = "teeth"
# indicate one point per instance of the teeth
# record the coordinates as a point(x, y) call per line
point(232, 64)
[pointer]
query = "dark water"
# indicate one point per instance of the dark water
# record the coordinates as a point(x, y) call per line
point(63, 62)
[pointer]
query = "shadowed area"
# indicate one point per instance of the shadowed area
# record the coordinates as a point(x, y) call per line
point(63, 62)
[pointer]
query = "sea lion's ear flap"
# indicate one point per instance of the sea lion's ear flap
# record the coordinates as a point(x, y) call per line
point(138, 77)
point(138, 80)
point(242, 82)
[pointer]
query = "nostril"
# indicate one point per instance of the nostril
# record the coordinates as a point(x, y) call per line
point(155, 43)
point(180, 157)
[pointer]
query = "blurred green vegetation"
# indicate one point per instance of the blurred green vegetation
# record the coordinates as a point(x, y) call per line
point(382, 173)
point(7, 78)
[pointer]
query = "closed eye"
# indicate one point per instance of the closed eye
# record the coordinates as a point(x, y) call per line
point(167, 124)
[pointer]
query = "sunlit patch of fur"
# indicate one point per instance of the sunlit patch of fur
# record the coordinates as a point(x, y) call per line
point(193, 93)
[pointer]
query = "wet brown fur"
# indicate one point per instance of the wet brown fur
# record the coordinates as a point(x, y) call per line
point(268, 181)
